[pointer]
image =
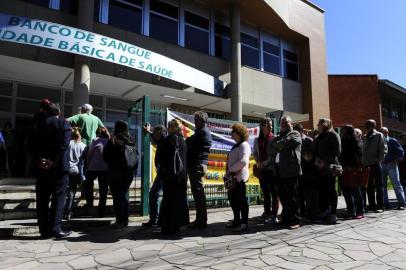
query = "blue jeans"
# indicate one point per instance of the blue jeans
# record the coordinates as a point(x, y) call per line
point(391, 170)
point(154, 194)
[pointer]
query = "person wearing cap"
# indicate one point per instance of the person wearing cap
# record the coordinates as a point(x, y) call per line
point(87, 122)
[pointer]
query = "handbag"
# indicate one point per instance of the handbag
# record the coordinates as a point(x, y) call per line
point(256, 171)
point(356, 177)
point(230, 181)
point(177, 161)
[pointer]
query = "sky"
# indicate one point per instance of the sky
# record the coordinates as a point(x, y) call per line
point(366, 37)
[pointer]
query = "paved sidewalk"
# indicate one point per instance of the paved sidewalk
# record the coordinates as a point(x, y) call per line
point(376, 242)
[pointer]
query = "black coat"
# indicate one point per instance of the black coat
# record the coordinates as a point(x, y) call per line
point(54, 134)
point(198, 147)
point(174, 211)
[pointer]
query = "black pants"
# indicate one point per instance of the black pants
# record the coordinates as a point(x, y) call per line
point(328, 194)
point(50, 186)
point(375, 184)
point(103, 189)
point(239, 203)
point(268, 187)
point(354, 200)
point(196, 177)
point(71, 189)
point(119, 180)
point(288, 194)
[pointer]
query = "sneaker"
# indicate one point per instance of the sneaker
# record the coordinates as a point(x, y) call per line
point(264, 217)
point(272, 221)
point(294, 227)
point(359, 216)
point(380, 210)
point(400, 208)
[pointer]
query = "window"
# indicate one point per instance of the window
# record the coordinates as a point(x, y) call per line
point(6, 89)
point(36, 92)
point(397, 111)
point(44, 3)
point(196, 32)
point(249, 51)
point(72, 6)
point(290, 65)
point(271, 54)
point(126, 15)
point(385, 107)
point(69, 6)
point(222, 41)
point(163, 22)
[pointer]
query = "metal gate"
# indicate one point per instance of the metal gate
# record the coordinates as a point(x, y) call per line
point(139, 114)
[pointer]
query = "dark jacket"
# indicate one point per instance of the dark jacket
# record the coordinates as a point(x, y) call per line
point(113, 153)
point(351, 152)
point(54, 134)
point(288, 146)
point(198, 147)
point(327, 147)
point(395, 150)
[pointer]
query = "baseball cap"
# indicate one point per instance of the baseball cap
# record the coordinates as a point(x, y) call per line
point(87, 107)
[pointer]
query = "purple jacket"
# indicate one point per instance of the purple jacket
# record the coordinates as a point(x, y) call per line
point(94, 155)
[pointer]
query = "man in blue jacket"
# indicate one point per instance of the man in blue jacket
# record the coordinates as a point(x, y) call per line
point(390, 168)
point(198, 148)
point(54, 134)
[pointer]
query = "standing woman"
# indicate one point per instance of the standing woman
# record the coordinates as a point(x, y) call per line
point(174, 212)
point(119, 175)
point(327, 150)
point(350, 159)
point(97, 168)
point(237, 169)
point(75, 149)
point(266, 177)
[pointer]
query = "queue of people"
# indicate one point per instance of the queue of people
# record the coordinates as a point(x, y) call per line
point(297, 172)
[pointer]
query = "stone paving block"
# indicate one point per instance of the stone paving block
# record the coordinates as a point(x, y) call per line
point(23, 266)
point(10, 261)
point(399, 265)
point(294, 266)
point(315, 254)
point(53, 266)
point(326, 250)
point(380, 249)
point(156, 264)
point(113, 257)
point(345, 265)
point(83, 262)
point(57, 258)
point(360, 255)
point(370, 266)
point(223, 266)
point(356, 247)
point(271, 259)
point(341, 258)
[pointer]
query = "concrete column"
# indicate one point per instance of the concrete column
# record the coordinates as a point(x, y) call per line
point(81, 77)
point(236, 95)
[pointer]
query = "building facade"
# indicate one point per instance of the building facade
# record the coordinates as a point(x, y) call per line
point(356, 98)
point(271, 53)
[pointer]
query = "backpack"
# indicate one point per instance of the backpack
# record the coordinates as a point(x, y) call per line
point(177, 161)
point(131, 157)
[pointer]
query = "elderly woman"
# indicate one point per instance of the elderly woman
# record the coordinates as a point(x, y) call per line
point(237, 170)
point(327, 149)
point(174, 212)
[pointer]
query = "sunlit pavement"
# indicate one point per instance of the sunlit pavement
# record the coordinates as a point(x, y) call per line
point(376, 242)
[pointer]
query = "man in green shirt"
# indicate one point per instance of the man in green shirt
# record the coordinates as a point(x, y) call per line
point(87, 122)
